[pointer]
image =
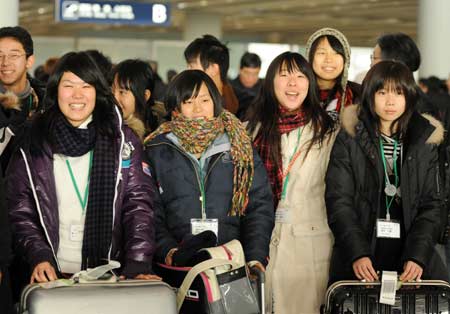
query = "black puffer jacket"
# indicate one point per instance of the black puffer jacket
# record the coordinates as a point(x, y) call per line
point(178, 178)
point(354, 185)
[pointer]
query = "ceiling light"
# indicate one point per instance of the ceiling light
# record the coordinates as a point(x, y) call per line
point(41, 10)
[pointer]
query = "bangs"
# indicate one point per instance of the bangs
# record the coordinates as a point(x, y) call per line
point(123, 81)
point(189, 91)
point(393, 84)
point(290, 64)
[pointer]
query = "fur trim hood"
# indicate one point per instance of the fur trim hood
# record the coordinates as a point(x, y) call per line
point(136, 125)
point(350, 118)
point(9, 100)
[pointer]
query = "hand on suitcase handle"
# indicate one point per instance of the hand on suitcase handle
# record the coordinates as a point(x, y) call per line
point(364, 270)
point(411, 271)
point(43, 272)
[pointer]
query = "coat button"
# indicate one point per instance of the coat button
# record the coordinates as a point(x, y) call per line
point(446, 164)
point(275, 241)
point(409, 158)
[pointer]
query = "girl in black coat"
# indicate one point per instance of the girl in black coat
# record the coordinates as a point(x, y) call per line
point(383, 195)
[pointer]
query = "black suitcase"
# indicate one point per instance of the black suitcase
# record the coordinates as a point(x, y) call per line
point(355, 297)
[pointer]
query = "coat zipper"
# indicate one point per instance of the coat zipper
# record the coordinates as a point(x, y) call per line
point(195, 170)
point(119, 176)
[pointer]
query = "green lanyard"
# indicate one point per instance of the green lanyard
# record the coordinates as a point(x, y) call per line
point(203, 194)
point(388, 183)
point(291, 161)
point(83, 201)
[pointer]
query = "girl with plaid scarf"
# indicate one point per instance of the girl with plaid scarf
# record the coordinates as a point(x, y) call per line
point(294, 135)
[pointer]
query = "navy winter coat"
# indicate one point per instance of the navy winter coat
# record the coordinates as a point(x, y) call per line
point(178, 178)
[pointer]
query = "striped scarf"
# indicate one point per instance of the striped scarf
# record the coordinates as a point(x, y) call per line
point(195, 135)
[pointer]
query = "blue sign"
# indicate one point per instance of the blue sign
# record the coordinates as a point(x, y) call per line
point(107, 12)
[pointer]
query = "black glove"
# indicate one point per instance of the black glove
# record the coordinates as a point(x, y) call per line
point(190, 246)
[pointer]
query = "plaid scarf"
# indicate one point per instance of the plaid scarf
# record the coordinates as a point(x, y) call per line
point(195, 135)
point(348, 99)
point(285, 124)
point(74, 142)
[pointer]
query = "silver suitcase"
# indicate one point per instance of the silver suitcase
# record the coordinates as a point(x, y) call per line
point(128, 296)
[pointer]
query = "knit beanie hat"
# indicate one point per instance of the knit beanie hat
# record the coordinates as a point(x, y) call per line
point(343, 40)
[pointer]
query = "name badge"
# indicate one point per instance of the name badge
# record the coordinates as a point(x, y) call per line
point(200, 225)
point(388, 229)
point(76, 233)
point(282, 215)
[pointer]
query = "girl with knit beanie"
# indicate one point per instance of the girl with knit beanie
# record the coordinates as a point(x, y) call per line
point(208, 175)
point(328, 52)
point(293, 135)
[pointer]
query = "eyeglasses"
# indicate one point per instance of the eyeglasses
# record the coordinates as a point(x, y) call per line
point(12, 56)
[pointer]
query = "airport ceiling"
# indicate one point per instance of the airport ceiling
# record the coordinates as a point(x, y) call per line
point(281, 21)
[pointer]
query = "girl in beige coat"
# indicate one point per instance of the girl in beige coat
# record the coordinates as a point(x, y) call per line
point(294, 135)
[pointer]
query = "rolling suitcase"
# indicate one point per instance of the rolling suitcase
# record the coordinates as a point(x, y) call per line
point(99, 297)
point(355, 297)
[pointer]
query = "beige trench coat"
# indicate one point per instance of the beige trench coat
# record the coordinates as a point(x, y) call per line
point(300, 248)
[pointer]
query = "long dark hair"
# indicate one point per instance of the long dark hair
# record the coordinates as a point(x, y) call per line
point(137, 76)
point(336, 45)
point(391, 75)
point(186, 85)
point(103, 117)
point(266, 109)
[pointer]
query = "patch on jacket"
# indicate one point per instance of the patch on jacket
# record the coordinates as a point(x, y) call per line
point(146, 169)
point(127, 151)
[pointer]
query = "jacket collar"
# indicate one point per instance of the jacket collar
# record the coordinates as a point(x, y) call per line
point(422, 128)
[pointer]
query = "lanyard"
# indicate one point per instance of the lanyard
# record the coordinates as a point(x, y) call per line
point(83, 201)
point(203, 194)
point(292, 160)
point(390, 190)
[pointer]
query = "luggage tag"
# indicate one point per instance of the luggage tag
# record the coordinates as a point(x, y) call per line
point(388, 287)
point(200, 225)
point(282, 215)
point(388, 229)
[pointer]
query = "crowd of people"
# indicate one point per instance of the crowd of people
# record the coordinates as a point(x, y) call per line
point(320, 178)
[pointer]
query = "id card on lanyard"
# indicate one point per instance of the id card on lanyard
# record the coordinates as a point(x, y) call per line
point(387, 228)
point(283, 213)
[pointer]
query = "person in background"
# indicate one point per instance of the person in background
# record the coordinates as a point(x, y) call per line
point(211, 56)
point(76, 191)
point(328, 52)
point(383, 193)
point(24, 93)
point(160, 89)
point(133, 86)
point(248, 84)
point(170, 75)
point(447, 83)
point(293, 135)
point(205, 167)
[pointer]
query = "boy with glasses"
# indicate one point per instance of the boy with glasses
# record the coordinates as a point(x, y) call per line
point(19, 94)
